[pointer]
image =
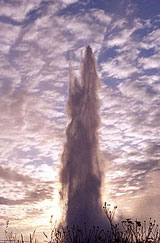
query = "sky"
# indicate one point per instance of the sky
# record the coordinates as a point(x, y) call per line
point(37, 40)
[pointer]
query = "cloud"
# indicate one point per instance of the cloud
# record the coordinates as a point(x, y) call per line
point(12, 175)
point(121, 33)
point(139, 90)
point(151, 40)
point(150, 62)
point(33, 212)
point(120, 39)
point(121, 42)
point(67, 2)
point(34, 78)
point(129, 136)
point(118, 68)
point(31, 197)
point(18, 9)
point(40, 193)
point(146, 204)
point(123, 39)
point(8, 36)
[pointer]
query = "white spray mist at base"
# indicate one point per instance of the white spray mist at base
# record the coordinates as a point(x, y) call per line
point(81, 175)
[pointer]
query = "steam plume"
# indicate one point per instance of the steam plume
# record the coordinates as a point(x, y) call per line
point(81, 175)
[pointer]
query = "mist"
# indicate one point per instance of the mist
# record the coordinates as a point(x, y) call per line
point(81, 175)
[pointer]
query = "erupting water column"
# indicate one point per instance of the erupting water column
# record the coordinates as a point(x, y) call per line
point(81, 174)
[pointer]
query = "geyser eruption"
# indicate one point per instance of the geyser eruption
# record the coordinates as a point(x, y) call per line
point(81, 175)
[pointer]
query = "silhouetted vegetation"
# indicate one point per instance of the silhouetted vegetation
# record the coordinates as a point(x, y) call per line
point(133, 232)
point(125, 232)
